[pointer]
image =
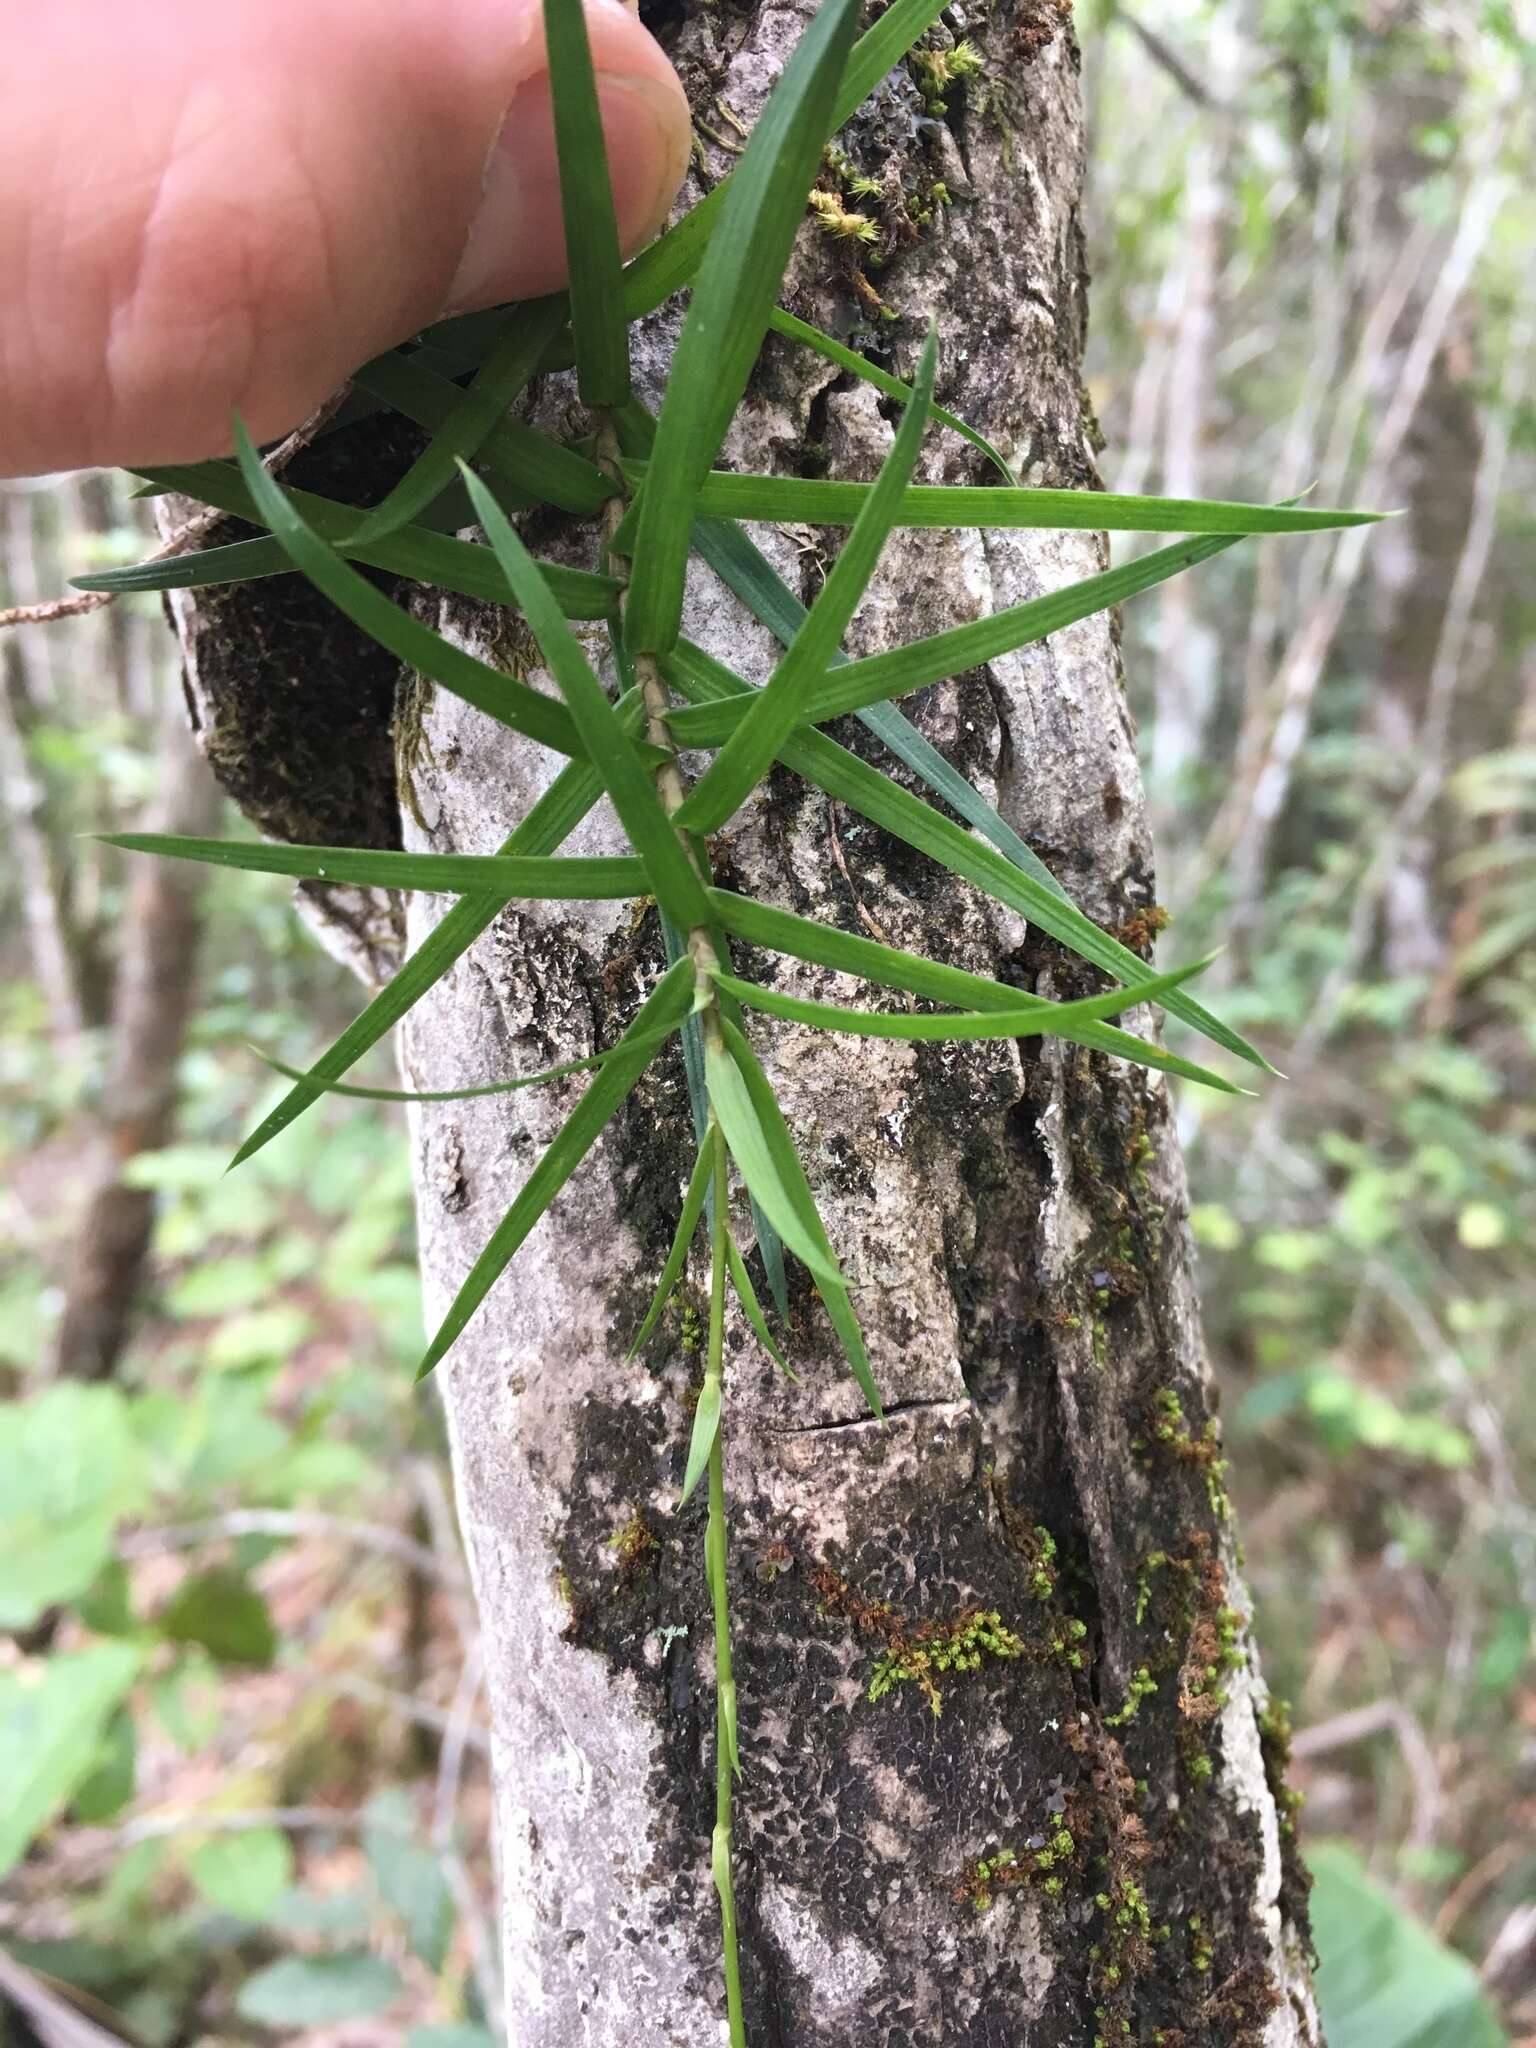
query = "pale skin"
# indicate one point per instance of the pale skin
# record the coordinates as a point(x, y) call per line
point(212, 205)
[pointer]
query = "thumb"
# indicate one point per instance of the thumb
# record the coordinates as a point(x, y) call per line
point(204, 208)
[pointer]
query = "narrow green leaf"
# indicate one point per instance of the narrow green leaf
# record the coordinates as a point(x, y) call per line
point(500, 696)
point(878, 51)
point(1029, 1017)
point(671, 261)
point(732, 1104)
point(776, 710)
point(746, 571)
point(698, 1100)
point(551, 821)
point(414, 552)
point(864, 789)
point(834, 351)
point(460, 566)
point(853, 685)
point(582, 1066)
point(706, 1427)
point(1080, 1022)
point(874, 796)
point(667, 1003)
point(821, 501)
point(674, 880)
point(791, 1173)
point(737, 284)
point(599, 328)
point(531, 461)
point(677, 1257)
point(746, 1294)
point(826, 945)
point(510, 876)
point(525, 335)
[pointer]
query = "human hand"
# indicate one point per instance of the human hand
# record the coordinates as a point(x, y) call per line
point(217, 204)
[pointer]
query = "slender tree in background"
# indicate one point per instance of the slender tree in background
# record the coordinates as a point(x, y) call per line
point(1008, 1769)
point(152, 998)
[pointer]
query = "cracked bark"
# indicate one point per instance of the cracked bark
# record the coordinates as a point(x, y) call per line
point(1013, 1220)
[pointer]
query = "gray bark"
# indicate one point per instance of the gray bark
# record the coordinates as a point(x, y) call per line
point(1013, 1220)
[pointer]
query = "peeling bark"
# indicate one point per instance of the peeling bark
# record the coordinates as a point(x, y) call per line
point(1047, 1492)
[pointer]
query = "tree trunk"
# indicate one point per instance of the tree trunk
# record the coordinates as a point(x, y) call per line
point(1013, 1220)
point(32, 863)
point(152, 998)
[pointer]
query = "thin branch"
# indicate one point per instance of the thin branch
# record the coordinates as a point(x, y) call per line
point(152, 1827)
point(419, 1712)
point(1385, 1717)
point(1168, 59)
point(293, 1522)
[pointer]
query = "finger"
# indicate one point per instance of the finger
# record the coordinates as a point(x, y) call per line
point(209, 208)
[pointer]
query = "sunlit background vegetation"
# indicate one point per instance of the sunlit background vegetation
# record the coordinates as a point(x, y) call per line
point(242, 1752)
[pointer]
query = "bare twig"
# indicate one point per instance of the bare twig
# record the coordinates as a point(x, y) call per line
point(152, 1827)
point(420, 1712)
point(1167, 59)
point(1385, 1717)
point(290, 1522)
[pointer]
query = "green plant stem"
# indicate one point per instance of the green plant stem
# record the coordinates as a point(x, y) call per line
point(672, 787)
point(715, 1564)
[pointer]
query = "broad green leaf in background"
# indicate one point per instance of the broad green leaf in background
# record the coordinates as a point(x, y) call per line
point(1384, 1980)
point(69, 1469)
point(109, 1785)
point(243, 1872)
point(318, 1991)
point(728, 315)
point(54, 1714)
point(221, 1610)
point(409, 1877)
point(599, 325)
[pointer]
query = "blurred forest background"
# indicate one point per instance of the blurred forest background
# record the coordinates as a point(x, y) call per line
point(242, 1754)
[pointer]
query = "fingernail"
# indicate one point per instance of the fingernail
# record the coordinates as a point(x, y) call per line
point(516, 244)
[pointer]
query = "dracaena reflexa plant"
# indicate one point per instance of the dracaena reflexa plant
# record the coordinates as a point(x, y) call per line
point(655, 500)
